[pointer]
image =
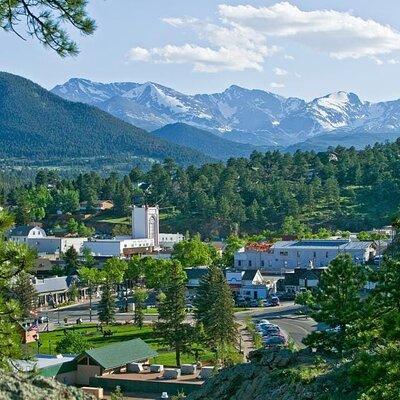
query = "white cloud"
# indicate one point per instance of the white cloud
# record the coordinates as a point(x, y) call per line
point(277, 85)
point(240, 40)
point(280, 71)
point(229, 47)
point(204, 59)
point(340, 34)
point(139, 54)
point(297, 75)
point(393, 61)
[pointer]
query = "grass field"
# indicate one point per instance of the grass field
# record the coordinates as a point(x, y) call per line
point(121, 333)
point(116, 221)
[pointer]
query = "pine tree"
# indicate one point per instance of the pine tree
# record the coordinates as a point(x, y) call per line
point(174, 332)
point(106, 307)
point(25, 293)
point(337, 304)
point(215, 308)
point(139, 298)
point(71, 261)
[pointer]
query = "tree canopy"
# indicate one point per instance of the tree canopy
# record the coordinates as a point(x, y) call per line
point(47, 21)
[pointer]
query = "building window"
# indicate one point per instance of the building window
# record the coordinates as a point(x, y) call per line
point(249, 263)
point(315, 254)
point(327, 254)
point(262, 263)
point(298, 254)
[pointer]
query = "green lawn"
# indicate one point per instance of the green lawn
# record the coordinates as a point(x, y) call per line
point(116, 221)
point(95, 338)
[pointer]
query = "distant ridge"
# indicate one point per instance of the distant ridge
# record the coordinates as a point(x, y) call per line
point(255, 117)
point(37, 124)
point(206, 142)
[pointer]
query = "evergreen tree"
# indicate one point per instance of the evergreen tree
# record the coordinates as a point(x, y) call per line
point(337, 304)
point(139, 297)
point(174, 332)
point(106, 307)
point(71, 261)
point(45, 21)
point(25, 293)
point(215, 308)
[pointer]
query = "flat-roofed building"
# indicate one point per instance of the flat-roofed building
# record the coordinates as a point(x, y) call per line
point(288, 255)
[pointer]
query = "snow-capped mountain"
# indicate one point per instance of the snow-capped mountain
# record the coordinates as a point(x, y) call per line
point(249, 116)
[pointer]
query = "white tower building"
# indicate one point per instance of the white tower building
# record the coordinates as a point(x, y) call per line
point(145, 223)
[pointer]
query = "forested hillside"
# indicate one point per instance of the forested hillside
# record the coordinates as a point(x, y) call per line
point(342, 189)
point(208, 143)
point(37, 124)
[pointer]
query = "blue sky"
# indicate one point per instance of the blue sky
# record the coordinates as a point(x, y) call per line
point(295, 48)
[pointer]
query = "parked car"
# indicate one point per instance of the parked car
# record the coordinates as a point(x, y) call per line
point(275, 341)
point(262, 321)
point(254, 303)
point(43, 319)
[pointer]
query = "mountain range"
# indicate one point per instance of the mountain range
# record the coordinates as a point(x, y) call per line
point(38, 125)
point(255, 117)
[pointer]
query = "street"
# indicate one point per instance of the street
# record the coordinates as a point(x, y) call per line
point(296, 326)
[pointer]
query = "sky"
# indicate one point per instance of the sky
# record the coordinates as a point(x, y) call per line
point(302, 48)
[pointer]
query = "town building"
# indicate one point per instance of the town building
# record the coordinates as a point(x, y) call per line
point(302, 279)
point(56, 245)
point(79, 369)
point(53, 291)
point(99, 205)
point(119, 246)
point(36, 237)
point(146, 238)
point(284, 256)
point(250, 284)
point(145, 223)
point(169, 240)
point(21, 234)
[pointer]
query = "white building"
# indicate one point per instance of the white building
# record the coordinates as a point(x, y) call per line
point(250, 284)
point(169, 240)
point(119, 247)
point(56, 245)
point(36, 237)
point(146, 223)
point(21, 234)
point(288, 255)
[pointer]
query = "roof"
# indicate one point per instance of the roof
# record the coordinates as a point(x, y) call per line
point(342, 244)
point(292, 278)
point(22, 230)
point(196, 273)
point(55, 284)
point(121, 353)
point(48, 365)
point(261, 246)
point(249, 274)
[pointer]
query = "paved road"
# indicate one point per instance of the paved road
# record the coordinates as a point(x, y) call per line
point(297, 327)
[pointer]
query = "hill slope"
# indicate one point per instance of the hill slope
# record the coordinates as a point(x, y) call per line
point(37, 124)
point(204, 141)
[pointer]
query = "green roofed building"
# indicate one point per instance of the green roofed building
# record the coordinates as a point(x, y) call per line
point(109, 359)
point(77, 370)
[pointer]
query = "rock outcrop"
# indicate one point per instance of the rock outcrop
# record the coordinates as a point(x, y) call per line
point(278, 374)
